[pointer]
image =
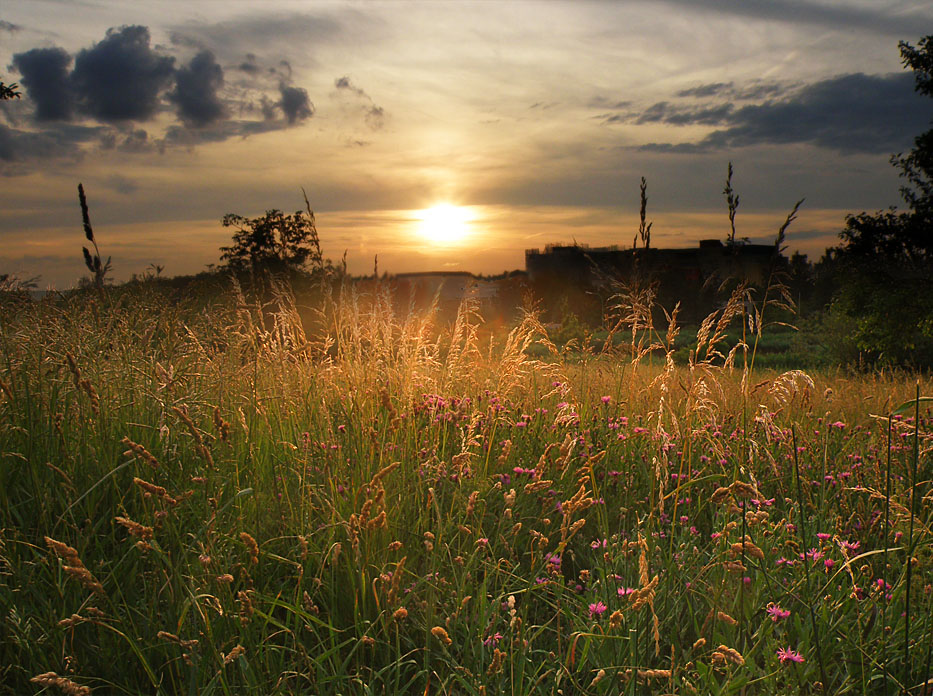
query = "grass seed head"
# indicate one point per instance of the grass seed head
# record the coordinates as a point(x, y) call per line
point(65, 685)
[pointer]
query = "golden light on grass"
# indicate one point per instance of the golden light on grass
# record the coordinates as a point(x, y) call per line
point(444, 224)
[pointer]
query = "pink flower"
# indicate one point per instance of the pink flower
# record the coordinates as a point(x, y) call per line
point(605, 399)
point(625, 591)
point(597, 609)
point(493, 639)
point(777, 612)
point(829, 563)
point(822, 536)
point(787, 655)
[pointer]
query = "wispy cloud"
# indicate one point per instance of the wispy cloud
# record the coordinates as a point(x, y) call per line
point(874, 17)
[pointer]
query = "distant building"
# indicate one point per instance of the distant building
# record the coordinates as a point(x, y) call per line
point(689, 276)
point(588, 265)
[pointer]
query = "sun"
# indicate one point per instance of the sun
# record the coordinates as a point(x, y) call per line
point(444, 224)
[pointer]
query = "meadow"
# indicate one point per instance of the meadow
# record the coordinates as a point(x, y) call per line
point(216, 494)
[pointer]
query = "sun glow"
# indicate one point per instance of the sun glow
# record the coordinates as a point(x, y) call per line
point(444, 224)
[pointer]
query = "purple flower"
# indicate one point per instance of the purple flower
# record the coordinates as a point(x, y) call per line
point(776, 613)
point(597, 609)
point(787, 655)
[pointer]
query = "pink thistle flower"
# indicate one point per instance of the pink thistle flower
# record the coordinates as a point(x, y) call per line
point(605, 399)
point(597, 609)
point(776, 613)
point(493, 639)
point(822, 536)
point(786, 655)
point(828, 564)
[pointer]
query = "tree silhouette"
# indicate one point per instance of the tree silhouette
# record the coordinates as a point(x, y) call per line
point(275, 242)
point(9, 91)
point(883, 299)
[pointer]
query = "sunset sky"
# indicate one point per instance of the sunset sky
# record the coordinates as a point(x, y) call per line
point(532, 122)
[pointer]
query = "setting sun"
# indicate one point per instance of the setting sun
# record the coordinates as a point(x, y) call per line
point(444, 224)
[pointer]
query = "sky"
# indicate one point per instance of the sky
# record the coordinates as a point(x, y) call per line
point(533, 122)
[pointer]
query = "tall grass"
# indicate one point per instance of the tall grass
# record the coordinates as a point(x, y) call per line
point(270, 496)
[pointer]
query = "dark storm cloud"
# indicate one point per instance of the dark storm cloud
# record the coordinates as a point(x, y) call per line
point(46, 81)
point(835, 16)
point(9, 26)
point(295, 104)
point(121, 78)
point(850, 114)
point(196, 91)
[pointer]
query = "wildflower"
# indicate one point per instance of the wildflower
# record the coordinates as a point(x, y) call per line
point(597, 609)
point(849, 547)
point(625, 591)
point(787, 655)
point(776, 612)
point(493, 639)
point(828, 564)
point(606, 399)
point(822, 536)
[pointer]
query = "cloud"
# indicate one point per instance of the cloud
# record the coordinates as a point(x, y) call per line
point(249, 65)
point(60, 140)
point(122, 83)
point(295, 104)
point(708, 90)
point(849, 114)
point(9, 26)
point(196, 91)
point(373, 115)
point(47, 82)
point(260, 34)
point(835, 16)
point(121, 78)
point(121, 184)
point(664, 112)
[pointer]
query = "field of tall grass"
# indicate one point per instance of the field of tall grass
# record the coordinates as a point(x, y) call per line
point(231, 496)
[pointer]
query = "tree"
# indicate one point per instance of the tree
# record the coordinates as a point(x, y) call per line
point(917, 167)
point(9, 91)
point(883, 295)
point(275, 242)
